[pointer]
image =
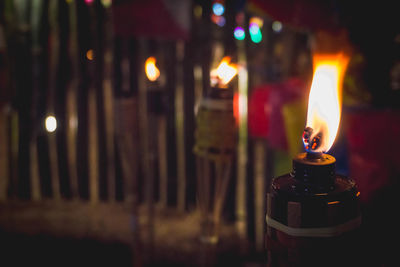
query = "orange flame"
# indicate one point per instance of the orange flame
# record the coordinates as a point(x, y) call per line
point(325, 99)
point(152, 72)
point(224, 73)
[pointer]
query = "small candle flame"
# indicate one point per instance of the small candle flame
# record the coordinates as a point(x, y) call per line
point(224, 73)
point(324, 103)
point(152, 72)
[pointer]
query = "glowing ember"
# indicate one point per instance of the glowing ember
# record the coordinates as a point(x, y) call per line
point(224, 73)
point(152, 72)
point(324, 102)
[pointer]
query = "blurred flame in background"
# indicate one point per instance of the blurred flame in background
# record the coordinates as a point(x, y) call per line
point(224, 73)
point(325, 99)
point(50, 123)
point(152, 72)
point(89, 54)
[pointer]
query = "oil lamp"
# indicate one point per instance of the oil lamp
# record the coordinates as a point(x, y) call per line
point(152, 72)
point(215, 142)
point(155, 92)
point(216, 130)
point(312, 212)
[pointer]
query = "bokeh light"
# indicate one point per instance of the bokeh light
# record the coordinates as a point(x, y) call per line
point(89, 54)
point(152, 72)
point(255, 33)
point(106, 3)
point(198, 11)
point(239, 33)
point(254, 29)
point(256, 38)
point(218, 9)
point(277, 26)
point(219, 20)
point(50, 124)
point(256, 20)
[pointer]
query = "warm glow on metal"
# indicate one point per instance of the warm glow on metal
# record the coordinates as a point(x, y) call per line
point(224, 73)
point(324, 103)
point(152, 72)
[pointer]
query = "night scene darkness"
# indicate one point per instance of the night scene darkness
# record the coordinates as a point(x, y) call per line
point(199, 133)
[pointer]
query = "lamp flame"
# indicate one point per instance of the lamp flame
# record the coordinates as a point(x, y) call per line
point(224, 73)
point(152, 72)
point(324, 102)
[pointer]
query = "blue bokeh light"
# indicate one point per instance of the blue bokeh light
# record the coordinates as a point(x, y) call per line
point(218, 9)
point(254, 28)
point(239, 33)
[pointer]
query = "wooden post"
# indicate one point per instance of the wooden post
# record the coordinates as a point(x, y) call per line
point(93, 114)
point(93, 147)
point(199, 179)
point(37, 9)
point(180, 128)
point(71, 102)
point(110, 145)
point(19, 45)
point(108, 100)
point(222, 177)
point(162, 159)
point(125, 126)
point(34, 172)
point(4, 162)
point(259, 161)
point(206, 183)
point(198, 86)
point(241, 183)
point(7, 161)
point(146, 158)
point(14, 130)
point(54, 59)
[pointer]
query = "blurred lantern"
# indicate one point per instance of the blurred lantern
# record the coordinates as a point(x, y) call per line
point(219, 20)
point(198, 11)
point(152, 72)
point(215, 143)
point(277, 26)
point(256, 35)
point(239, 33)
point(254, 29)
point(257, 21)
point(106, 3)
point(224, 73)
point(218, 9)
point(255, 25)
point(89, 2)
point(50, 124)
